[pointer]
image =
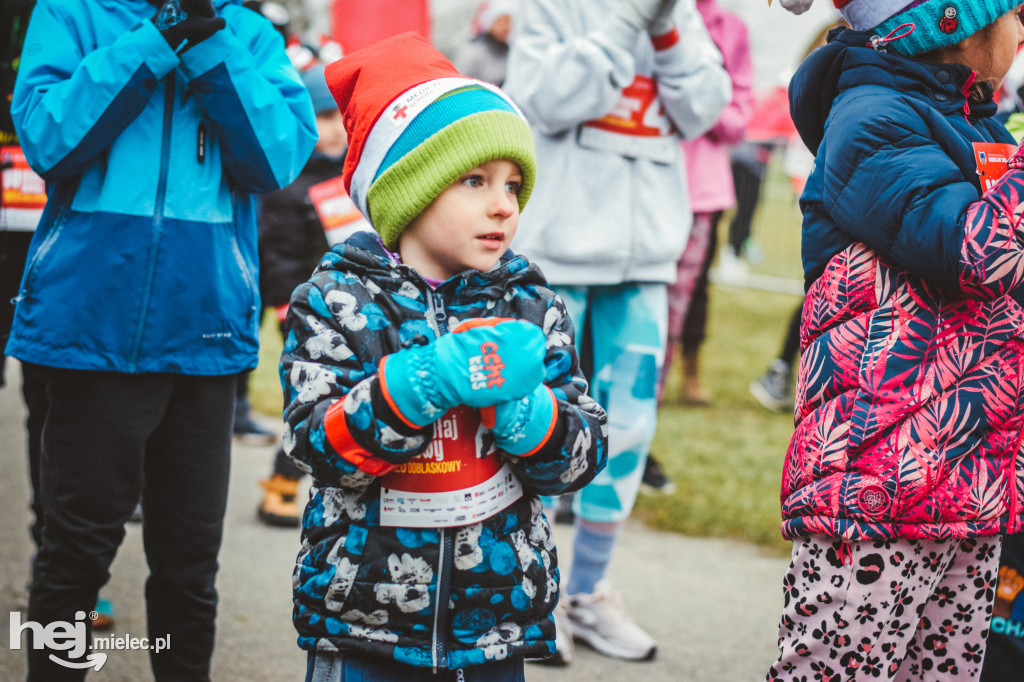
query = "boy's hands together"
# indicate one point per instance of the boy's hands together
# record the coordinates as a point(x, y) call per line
point(482, 363)
point(186, 23)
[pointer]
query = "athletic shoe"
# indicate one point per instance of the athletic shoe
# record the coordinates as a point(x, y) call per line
point(730, 268)
point(654, 480)
point(104, 619)
point(279, 506)
point(601, 620)
point(565, 651)
point(774, 389)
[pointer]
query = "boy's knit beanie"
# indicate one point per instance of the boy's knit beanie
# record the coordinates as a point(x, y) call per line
point(415, 125)
point(313, 78)
point(936, 23)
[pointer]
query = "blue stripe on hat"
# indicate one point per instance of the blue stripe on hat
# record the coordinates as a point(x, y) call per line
point(439, 115)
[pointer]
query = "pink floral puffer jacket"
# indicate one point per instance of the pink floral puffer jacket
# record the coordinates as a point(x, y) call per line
point(910, 396)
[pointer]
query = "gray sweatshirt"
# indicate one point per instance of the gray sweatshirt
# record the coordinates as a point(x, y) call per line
point(608, 111)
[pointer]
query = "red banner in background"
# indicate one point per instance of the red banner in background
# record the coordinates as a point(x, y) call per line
point(358, 23)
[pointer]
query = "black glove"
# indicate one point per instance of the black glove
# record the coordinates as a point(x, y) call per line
point(186, 23)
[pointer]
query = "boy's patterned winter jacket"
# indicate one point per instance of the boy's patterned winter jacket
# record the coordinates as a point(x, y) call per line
point(910, 400)
point(445, 597)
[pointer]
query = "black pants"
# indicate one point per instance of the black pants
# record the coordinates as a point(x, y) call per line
point(748, 173)
point(107, 438)
point(33, 390)
point(695, 324)
point(791, 342)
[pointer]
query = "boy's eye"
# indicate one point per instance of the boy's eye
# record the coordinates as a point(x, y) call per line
point(513, 186)
point(473, 181)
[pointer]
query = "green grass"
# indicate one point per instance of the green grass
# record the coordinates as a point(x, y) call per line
point(726, 459)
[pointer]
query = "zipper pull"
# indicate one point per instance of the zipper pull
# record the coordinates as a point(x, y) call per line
point(201, 142)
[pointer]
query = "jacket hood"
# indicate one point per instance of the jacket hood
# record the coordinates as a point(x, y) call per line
point(847, 61)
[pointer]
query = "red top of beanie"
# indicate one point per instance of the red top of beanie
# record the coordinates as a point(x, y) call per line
point(366, 81)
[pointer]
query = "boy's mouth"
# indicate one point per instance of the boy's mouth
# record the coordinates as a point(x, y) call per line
point(492, 240)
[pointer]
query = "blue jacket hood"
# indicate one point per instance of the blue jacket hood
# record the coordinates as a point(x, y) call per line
point(847, 61)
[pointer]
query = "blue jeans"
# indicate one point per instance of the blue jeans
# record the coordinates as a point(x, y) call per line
point(334, 667)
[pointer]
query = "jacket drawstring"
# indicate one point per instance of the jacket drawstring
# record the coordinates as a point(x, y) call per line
point(966, 89)
point(878, 42)
point(845, 553)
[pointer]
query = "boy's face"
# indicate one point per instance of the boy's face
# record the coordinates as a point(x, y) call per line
point(333, 139)
point(468, 226)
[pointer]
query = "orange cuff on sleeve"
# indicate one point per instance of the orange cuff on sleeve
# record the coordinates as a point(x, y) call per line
point(551, 426)
point(336, 428)
point(387, 396)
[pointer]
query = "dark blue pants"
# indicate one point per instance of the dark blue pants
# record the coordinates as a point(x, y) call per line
point(108, 438)
point(335, 667)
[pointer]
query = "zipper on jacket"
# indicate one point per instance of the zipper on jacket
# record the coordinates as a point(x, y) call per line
point(61, 202)
point(158, 217)
point(437, 316)
point(445, 566)
point(201, 142)
point(249, 277)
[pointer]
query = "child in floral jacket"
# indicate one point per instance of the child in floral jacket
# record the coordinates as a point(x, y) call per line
point(905, 466)
point(432, 390)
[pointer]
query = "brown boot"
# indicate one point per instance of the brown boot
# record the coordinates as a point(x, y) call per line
point(279, 507)
point(692, 392)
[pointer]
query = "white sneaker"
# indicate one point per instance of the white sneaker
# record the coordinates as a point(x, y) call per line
point(730, 268)
point(601, 620)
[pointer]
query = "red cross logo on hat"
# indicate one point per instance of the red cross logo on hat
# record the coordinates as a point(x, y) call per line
point(400, 112)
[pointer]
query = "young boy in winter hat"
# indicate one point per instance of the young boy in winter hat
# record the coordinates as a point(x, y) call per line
point(904, 469)
point(433, 390)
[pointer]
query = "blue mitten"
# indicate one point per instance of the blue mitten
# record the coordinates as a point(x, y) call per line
point(482, 362)
point(521, 427)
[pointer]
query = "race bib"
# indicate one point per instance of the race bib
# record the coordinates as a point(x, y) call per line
point(991, 158)
point(337, 212)
point(24, 192)
point(636, 127)
point(450, 484)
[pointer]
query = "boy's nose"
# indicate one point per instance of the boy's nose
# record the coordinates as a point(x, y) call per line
point(503, 204)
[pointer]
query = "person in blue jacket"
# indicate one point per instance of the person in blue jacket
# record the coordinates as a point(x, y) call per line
point(154, 125)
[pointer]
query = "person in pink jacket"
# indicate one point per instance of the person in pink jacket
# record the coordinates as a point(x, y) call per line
point(709, 177)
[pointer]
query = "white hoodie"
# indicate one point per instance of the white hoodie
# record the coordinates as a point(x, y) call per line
point(610, 204)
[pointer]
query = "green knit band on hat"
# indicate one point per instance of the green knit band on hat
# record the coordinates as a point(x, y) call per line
point(409, 186)
point(971, 17)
